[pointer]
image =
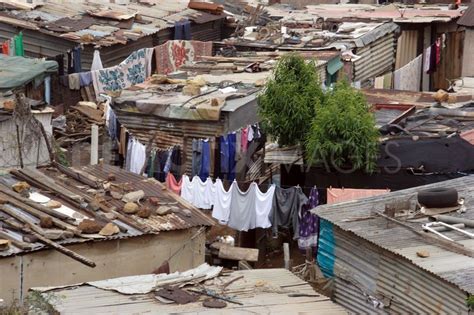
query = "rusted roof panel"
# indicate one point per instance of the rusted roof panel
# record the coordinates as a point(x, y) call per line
point(467, 19)
point(183, 216)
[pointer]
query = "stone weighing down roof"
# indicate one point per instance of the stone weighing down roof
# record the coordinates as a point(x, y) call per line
point(451, 267)
point(183, 215)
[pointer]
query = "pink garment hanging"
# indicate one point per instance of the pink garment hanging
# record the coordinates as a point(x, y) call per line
point(244, 139)
point(337, 195)
point(172, 184)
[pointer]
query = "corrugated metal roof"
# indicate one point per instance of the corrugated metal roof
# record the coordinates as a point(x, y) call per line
point(50, 18)
point(444, 264)
point(184, 215)
point(392, 12)
point(262, 291)
point(467, 18)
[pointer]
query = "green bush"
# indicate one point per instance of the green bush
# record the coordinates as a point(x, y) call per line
point(343, 133)
point(287, 105)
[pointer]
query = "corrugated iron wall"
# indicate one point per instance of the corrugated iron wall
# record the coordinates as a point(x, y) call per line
point(366, 275)
point(170, 132)
point(407, 47)
point(377, 58)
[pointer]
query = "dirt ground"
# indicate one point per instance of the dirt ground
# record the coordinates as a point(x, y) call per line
point(271, 250)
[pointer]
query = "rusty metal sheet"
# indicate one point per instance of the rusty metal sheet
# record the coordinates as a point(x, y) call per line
point(113, 14)
point(70, 24)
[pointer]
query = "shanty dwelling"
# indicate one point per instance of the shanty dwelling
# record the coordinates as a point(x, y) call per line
point(466, 22)
point(52, 28)
point(163, 115)
point(61, 226)
point(382, 261)
point(259, 291)
point(21, 140)
point(420, 29)
point(366, 48)
point(410, 123)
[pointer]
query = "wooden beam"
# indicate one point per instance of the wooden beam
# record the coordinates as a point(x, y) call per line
point(434, 240)
point(238, 253)
point(63, 250)
point(76, 175)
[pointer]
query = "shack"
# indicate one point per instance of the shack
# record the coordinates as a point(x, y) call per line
point(54, 28)
point(63, 221)
point(387, 264)
point(255, 291)
point(466, 22)
point(420, 29)
point(21, 139)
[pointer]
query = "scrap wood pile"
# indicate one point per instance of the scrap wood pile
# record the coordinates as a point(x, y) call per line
point(75, 125)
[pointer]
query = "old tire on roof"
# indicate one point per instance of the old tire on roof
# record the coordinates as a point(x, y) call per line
point(438, 197)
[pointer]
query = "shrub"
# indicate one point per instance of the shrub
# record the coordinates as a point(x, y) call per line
point(343, 133)
point(287, 105)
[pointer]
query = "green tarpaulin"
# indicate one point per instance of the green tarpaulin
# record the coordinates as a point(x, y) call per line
point(17, 71)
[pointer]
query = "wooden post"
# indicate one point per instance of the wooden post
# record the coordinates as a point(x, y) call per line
point(286, 255)
point(20, 154)
point(94, 144)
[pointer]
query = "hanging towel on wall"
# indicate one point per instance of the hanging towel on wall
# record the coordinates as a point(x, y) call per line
point(337, 195)
point(222, 201)
point(242, 208)
point(427, 60)
point(408, 77)
point(171, 55)
point(74, 81)
point(286, 207)
point(96, 61)
point(19, 49)
point(131, 71)
point(309, 223)
point(172, 184)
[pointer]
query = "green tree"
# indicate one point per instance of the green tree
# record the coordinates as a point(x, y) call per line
point(287, 105)
point(343, 133)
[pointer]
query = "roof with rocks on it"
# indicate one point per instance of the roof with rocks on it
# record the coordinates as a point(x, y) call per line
point(98, 193)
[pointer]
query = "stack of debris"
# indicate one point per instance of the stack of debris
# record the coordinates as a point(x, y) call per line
point(51, 205)
point(198, 290)
point(75, 125)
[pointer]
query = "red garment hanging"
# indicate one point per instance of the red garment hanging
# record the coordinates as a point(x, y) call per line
point(5, 50)
point(172, 184)
point(438, 50)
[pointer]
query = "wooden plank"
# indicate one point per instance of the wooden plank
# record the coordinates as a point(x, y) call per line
point(238, 253)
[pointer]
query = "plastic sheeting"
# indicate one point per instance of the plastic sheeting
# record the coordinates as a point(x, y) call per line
point(18, 71)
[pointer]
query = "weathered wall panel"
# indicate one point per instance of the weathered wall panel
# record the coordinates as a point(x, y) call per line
point(117, 258)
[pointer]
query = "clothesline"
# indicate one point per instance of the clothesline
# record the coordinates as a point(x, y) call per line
point(245, 210)
point(136, 68)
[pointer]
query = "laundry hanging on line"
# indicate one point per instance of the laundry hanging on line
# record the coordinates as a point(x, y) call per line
point(14, 46)
point(250, 209)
